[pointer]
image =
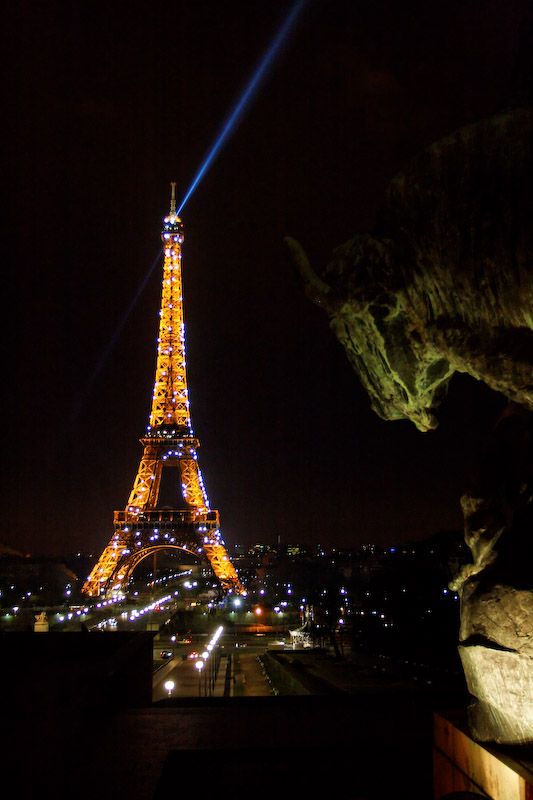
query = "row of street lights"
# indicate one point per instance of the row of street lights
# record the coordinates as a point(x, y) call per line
point(212, 664)
point(200, 663)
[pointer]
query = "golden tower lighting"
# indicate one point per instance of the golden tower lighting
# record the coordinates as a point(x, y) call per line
point(143, 527)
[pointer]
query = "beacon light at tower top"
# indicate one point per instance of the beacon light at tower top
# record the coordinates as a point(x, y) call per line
point(173, 228)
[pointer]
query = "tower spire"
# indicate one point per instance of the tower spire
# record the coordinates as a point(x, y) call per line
point(173, 198)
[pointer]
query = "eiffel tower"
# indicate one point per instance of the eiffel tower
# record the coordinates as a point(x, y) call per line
point(144, 527)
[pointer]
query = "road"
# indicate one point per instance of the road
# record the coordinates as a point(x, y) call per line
point(239, 672)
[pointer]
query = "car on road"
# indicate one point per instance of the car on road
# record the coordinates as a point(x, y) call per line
point(165, 654)
point(194, 654)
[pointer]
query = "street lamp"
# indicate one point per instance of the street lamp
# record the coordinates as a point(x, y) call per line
point(169, 686)
point(199, 666)
point(211, 663)
point(207, 662)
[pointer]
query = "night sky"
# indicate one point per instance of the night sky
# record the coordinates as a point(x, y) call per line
point(107, 102)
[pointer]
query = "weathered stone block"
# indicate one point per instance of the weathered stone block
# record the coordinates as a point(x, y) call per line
point(502, 682)
point(499, 614)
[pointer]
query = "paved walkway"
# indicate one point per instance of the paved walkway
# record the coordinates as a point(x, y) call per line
point(249, 679)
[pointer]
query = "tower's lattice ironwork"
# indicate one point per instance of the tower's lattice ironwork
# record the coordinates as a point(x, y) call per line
point(143, 527)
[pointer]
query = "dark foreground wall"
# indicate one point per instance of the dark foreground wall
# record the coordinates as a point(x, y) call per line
point(70, 671)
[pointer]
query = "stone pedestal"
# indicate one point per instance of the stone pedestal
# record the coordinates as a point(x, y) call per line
point(460, 764)
point(41, 623)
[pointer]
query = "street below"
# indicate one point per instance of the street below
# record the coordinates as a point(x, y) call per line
point(233, 669)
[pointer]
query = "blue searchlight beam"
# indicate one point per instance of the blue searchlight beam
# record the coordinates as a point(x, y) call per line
point(246, 96)
point(227, 128)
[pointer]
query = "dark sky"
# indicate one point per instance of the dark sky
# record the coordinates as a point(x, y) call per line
point(107, 102)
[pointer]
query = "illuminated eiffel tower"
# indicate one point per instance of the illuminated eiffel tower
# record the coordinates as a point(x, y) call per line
point(144, 527)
